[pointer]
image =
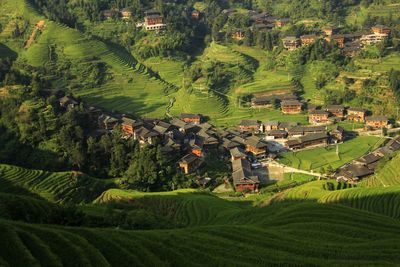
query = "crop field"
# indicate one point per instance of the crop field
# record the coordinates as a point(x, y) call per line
point(169, 69)
point(314, 159)
point(384, 9)
point(384, 64)
point(289, 239)
point(62, 187)
point(186, 207)
point(133, 90)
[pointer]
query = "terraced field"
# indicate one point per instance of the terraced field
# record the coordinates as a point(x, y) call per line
point(300, 234)
point(61, 187)
point(185, 207)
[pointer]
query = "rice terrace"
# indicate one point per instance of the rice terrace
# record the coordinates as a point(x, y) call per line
point(199, 133)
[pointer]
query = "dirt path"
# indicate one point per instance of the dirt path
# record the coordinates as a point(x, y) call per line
point(39, 26)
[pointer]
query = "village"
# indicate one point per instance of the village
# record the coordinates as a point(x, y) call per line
point(349, 43)
point(252, 145)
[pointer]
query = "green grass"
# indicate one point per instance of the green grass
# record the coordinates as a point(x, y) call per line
point(314, 159)
point(61, 187)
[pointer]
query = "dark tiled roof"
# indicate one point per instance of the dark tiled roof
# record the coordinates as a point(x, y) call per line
point(313, 137)
point(189, 158)
point(256, 142)
point(249, 123)
point(376, 118)
point(291, 103)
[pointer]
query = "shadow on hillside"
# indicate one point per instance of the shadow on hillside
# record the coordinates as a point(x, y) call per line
point(135, 105)
point(10, 188)
point(6, 52)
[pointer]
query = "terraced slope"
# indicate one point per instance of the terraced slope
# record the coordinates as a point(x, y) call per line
point(301, 234)
point(61, 187)
point(185, 207)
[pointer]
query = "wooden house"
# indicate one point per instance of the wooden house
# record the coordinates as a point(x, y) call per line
point(380, 29)
point(128, 125)
point(308, 39)
point(110, 14)
point(256, 146)
point(328, 31)
point(249, 125)
point(190, 163)
point(291, 106)
point(271, 125)
point(238, 35)
point(263, 102)
point(153, 21)
point(291, 43)
point(243, 177)
point(127, 13)
point(281, 22)
point(277, 134)
point(376, 122)
point(336, 110)
point(195, 14)
point(337, 38)
point(337, 134)
point(309, 140)
point(237, 153)
point(370, 39)
point(68, 102)
point(318, 117)
point(107, 122)
point(304, 130)
point(191, 118)
point(356, 114)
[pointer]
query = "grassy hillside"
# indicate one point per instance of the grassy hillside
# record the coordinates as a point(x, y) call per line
point(185, 207)
point(61, 187)
point(314, 159)
point(301, 234)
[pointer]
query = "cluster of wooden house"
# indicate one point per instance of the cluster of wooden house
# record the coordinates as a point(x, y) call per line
point(367, 164)
point(293, 135)
point(261, 21)
point(153, 20)
point(350, 43)
point(125, 13)
point(290, 104)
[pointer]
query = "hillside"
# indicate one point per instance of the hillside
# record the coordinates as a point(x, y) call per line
point(283, 235)
point(60, 187)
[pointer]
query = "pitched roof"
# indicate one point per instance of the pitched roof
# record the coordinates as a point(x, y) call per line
point(256, 142)
point(312, 137)
point(189, 158)
point(335, 108)
point(237, 152)
point(356, 109)
point(291, 103)
point(369, 158)
point(249, 123)
point(190, 116)
point(318, 112)
point(241, 172)
point(376, 118)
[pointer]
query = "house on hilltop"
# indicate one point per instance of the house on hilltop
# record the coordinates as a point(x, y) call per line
point(153, 21)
